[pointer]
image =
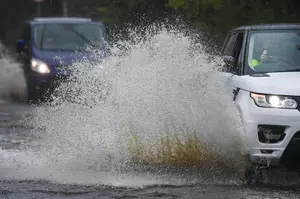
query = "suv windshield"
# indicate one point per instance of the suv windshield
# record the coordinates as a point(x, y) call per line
point(273, 51)
point(67, 37)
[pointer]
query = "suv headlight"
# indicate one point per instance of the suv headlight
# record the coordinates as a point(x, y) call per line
point(39, 66)
point(274, 101)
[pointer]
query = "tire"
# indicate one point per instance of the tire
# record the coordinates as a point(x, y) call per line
point(253, 175)
point(34, 96)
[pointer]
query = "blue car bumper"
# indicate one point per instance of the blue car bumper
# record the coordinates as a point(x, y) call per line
point(42, 82)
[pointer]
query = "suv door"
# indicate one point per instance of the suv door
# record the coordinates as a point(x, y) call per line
point(233, 52)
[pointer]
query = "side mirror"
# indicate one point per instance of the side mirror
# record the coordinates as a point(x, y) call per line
point(229, 64)
point(20, 46)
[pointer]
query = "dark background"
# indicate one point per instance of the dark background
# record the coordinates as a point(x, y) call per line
point(212, 17)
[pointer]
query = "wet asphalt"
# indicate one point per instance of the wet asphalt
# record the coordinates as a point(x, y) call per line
point(14, 133)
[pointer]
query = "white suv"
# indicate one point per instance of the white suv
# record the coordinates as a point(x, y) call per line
point(264, 66)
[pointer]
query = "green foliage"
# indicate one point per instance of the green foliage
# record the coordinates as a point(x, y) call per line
point(218, 16)
point(176, 4)
point(117, 11)
point(215, 17)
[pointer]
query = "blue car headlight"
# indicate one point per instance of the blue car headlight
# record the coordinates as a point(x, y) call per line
point(274, 101)
point(39, 66)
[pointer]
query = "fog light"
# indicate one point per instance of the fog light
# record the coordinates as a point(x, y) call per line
point(271, 133)
point(271, 136)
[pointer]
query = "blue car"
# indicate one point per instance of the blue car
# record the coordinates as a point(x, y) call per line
point(49, 46)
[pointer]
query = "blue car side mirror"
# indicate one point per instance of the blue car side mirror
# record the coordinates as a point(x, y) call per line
point(20, 46)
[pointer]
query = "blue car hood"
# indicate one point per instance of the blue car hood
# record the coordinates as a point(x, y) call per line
point(54, 59)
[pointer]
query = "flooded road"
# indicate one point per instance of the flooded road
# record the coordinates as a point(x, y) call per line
point(45, 190)
point(14, 135)
point(161, 103)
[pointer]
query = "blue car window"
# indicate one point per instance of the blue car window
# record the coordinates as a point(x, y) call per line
point(67, 37)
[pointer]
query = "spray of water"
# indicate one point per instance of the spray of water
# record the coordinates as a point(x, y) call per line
point(160, 102)
point(12, 82)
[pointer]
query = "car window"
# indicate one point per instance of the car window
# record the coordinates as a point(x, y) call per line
point(90, 32)
point(228, 50)
point(238, 45)
point(274, 51)
point(67, 37)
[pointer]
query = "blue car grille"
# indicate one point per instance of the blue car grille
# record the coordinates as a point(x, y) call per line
point(61, 68)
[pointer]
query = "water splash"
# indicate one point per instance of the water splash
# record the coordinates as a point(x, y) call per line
point(12, 82)
point(162, 86)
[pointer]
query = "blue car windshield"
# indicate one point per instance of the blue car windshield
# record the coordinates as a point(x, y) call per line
point(273, 51)
point(68, 37)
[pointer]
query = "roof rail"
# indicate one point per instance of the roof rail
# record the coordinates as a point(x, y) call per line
point(44, 19)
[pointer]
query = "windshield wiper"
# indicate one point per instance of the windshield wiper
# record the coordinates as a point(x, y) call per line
point(290, 70)
point(259, 75)
point(83, 37)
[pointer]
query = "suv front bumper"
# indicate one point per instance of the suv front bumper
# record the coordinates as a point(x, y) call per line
point(270, 134)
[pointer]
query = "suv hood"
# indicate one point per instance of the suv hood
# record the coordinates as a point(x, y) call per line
point(283, 83)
